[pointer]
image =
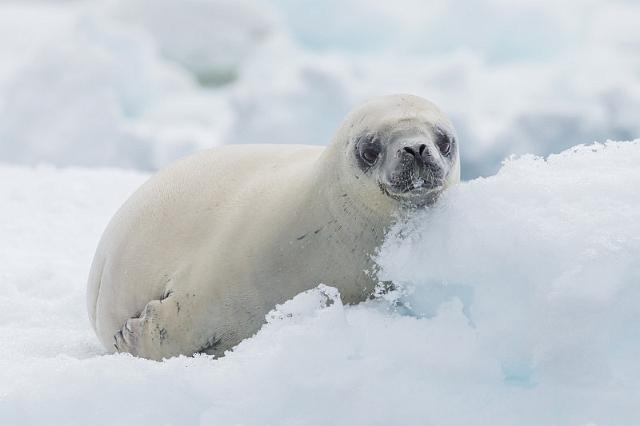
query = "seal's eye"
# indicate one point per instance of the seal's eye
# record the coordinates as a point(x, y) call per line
point(368, 150)
point(370, 154)
point(444, 143)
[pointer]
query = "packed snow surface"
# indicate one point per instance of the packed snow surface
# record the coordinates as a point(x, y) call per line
point(517, 302)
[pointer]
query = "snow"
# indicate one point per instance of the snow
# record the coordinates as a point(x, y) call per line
point(516, 304)
point(95, 92)
point(208, 38)
point(139, 83)
point(517, 295)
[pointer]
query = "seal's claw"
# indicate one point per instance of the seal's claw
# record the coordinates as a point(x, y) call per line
point(126, 338)
point(118, 342)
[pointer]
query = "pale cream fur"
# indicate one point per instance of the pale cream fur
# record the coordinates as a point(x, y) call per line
point(202, 251)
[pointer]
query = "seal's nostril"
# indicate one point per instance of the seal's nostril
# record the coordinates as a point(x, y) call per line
point(410, 150)
point(418, 151)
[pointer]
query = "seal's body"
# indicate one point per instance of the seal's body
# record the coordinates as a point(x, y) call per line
point(201, 252)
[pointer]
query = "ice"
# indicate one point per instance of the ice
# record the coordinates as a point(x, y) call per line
point(517, 294)
point(210, 38)
point(140, 83)
point(95, 93)
point(544, 257)
point(516, 304)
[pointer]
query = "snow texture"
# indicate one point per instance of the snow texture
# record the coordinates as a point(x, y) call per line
point(139, 83)
point(517, 303)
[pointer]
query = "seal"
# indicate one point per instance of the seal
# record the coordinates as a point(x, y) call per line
point(197, 257)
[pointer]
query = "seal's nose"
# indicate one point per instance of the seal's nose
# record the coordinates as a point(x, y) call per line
point(418, 152)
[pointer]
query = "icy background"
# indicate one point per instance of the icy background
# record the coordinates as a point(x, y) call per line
point(518, 298)
point(138, 83)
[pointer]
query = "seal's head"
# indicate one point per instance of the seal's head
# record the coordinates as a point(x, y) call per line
point(404, 147)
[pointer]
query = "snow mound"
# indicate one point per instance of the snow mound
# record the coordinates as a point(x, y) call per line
point(517, 303)
point(545, 258)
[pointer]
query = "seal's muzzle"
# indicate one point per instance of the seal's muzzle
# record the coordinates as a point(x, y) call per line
point(413, 168)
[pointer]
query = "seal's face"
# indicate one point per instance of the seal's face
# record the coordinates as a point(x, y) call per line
point(398, 149)
point(410, 162)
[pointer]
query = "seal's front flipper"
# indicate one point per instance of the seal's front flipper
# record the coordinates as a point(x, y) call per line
point(159, 332)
